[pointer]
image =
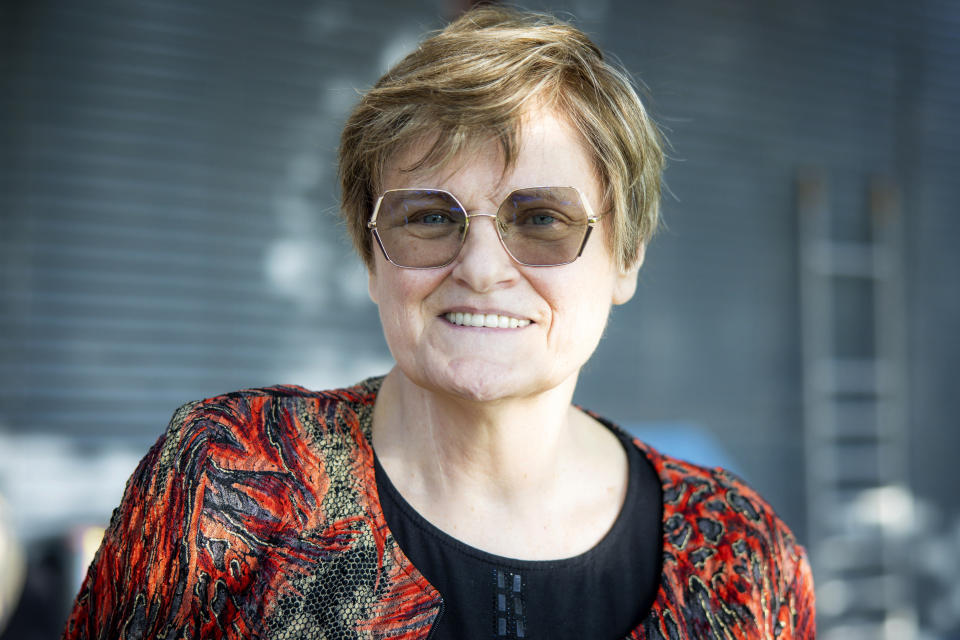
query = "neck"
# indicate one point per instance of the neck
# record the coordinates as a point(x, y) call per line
point(446, 444)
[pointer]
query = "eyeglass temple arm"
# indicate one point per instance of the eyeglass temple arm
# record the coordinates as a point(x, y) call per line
point(372, 223)
point(592, 220)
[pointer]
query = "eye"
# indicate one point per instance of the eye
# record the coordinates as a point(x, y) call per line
point(541, 219)
point(430, 217)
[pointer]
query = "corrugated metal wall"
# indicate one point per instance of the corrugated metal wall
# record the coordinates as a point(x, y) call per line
point(168, 207)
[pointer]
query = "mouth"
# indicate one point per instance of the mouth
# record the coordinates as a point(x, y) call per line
point(489, 320)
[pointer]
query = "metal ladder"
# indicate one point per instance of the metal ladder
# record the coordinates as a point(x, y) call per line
point(854, 385)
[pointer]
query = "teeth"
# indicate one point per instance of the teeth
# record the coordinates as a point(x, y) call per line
point(492, 320)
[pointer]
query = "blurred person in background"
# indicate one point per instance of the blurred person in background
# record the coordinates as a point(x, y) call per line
point(500, 183)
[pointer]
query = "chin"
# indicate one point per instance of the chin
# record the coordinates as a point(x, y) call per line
point(467, 379)
point(478, 391)
point(483, 382)
point(478, 386)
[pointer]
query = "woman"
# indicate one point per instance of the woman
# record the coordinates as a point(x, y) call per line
point(500, 183)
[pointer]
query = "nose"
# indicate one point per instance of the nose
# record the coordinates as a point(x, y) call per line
point(483, 263)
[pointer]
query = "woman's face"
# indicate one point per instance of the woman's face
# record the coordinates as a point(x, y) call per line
point(566, 306)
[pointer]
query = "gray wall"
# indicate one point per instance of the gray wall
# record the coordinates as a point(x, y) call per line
point(169, 232)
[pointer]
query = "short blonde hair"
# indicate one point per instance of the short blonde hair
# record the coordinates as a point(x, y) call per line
point(473, 82)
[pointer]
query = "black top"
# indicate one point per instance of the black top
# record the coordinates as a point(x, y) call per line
point(602, 593)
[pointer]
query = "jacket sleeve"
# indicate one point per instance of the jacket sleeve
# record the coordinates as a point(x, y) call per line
point(147, 579)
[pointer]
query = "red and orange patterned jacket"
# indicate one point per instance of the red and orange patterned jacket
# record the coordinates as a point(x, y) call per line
point(256, 516)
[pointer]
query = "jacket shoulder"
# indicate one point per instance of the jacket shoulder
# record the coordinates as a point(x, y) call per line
point(233, 484)
point(249, 421)
point(720, 502)
point(728, 557)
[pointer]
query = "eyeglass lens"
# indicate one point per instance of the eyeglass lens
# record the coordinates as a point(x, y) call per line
point(540, 226)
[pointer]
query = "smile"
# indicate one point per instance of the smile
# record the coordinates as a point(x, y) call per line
point(490, 320)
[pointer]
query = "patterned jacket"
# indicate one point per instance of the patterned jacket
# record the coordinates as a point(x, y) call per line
point(256, 516)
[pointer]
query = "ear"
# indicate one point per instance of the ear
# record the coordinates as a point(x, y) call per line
point(626, 283)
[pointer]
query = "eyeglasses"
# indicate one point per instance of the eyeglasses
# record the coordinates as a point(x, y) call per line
point(538, 226)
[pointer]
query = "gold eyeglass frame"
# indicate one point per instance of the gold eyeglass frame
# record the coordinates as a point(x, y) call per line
point(592, 220)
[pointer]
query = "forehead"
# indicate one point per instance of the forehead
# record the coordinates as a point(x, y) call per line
point(550, 153)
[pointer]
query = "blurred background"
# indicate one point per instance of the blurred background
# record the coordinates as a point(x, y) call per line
point(168, 231)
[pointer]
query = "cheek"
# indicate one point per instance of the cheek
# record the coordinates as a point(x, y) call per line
point(402, 297)
point(589, 318)
point(582, 307)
